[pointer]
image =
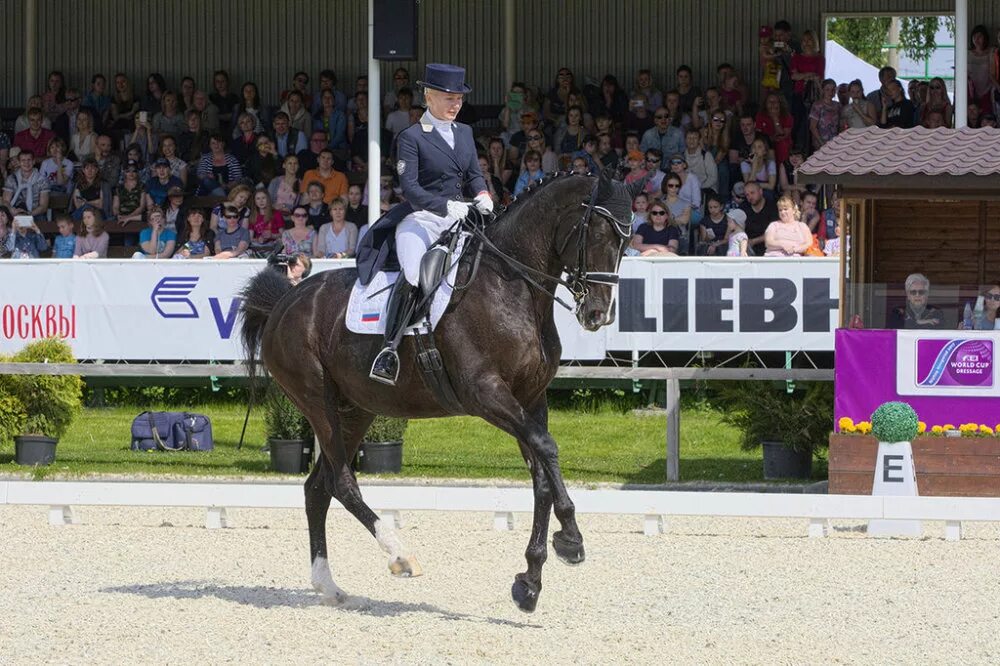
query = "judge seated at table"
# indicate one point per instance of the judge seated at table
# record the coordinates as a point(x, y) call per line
point(916, 313)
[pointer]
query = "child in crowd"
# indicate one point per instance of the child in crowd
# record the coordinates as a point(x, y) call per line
point(92, 243)
point(832, 246)
point(65, 242)
point(28, 241)
point(532, 172)
point(811, 216)
point(831, 216)
point(736, 234)
point(635, 167)
point(640, 206)
point(738, 198)
point(580, 166)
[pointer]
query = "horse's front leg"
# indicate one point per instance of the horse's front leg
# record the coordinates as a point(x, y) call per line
point(499, 407)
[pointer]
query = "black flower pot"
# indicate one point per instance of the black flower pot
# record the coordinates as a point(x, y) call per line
point(290, 456)
point(782, 462)
point(381, 457)
point(34, 450)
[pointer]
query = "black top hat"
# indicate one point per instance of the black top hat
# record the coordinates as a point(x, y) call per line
point(446, 78)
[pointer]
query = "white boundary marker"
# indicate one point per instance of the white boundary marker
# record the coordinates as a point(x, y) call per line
point(502, 503)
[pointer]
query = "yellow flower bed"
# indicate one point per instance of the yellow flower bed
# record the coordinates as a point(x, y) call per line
point(847, 425)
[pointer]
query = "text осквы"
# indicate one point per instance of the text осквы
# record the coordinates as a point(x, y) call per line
point(32, 322)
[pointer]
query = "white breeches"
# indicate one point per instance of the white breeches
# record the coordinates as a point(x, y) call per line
point(414, 235)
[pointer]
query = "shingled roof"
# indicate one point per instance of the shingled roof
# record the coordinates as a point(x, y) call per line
point(875, 158)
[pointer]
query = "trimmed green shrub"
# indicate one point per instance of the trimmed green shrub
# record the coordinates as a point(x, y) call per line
point(894, 422)
point(48, 402)
point(764, 411)
point(386, 429)
point(282, 419)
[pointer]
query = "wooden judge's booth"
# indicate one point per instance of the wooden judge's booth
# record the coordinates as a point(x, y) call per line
point(914, 201)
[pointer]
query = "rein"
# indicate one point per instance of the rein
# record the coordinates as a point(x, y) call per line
point(579, 277)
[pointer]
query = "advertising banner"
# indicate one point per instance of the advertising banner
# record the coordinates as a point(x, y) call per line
point(946, 376)
point(167, 310)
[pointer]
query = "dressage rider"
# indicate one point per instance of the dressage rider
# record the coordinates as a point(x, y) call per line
point(437, 165)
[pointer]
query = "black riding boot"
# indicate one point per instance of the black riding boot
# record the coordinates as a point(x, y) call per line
point(402, 303)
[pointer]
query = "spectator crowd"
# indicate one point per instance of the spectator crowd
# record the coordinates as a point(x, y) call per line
point(176, 171)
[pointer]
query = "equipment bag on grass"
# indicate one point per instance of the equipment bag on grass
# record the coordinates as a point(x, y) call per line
point(171, 431)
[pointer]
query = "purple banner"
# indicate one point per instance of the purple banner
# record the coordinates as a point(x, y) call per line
point(947, 377)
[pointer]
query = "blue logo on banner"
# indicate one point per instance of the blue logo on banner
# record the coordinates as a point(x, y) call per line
point(170, 297)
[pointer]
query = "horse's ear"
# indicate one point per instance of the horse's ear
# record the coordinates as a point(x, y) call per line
point(605, 186)
point(635, 187)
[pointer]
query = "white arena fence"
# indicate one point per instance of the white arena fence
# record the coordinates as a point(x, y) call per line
point(654, 507)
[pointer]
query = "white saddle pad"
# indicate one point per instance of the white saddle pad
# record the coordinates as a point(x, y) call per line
point(367, 305)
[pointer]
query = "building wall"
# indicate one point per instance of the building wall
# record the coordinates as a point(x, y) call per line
point(268, 40)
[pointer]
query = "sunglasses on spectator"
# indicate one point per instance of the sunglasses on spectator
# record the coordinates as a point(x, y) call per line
point(993, 297)
point(535, 137)
point(657, 213)
point(232, 216)
point(653, 160)
point(672, 186)
point(661, 117)
point(677, 162)
point(917, 292)
point(718, 120)
point(299, 215)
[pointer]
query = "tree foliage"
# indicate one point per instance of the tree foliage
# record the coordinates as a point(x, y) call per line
point(866, 36)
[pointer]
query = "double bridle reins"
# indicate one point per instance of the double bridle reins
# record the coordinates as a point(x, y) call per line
point(579, 278)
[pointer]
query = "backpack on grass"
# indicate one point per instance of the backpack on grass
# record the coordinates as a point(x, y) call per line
point(172, 431)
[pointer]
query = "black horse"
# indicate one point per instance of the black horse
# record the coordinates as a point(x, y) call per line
point(499, 343)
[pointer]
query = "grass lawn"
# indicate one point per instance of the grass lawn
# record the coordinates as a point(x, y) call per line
point(603, 446)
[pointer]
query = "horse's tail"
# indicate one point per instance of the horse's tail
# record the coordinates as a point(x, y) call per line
point(259, 296)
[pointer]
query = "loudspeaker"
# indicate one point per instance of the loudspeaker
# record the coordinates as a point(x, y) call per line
point(395, 28)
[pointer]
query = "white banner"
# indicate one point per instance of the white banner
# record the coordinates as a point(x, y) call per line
point(167, 310)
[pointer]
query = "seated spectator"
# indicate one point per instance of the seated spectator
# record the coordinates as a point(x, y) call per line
point(984, 310)
point(209, 112)
point(399, 119)
point(493, 184)
point(606, 155)
point(264, 163)
point(570, 134)
point(932, 120)
point(65, 240)
point(218, 170)
point(987, 120)
point(663, 136)
point(109, 163)
point(700, 162)
point(519, 140)
point(775, 122)
point(287, 139)
point(612, 101)
point(636, 167)
point(557, 99)
point(26, 190)
point(788, 178)
point(26, 242)
point(64, 125)
point(715, 139)
point(605, 125)
point(759, 168)
point(760, 213)
point(133, 157)
point(680, 209)
point(831, 247)
point(579, 166)
point(156, 241)
point(328, 81)
point(152, 100)
point(788, 236)
point(92, 242)
point(6, 232)
point(640, 210)
point(658, 237)
point(309, 158)
point(160, 183)
point(297, 111)
point(859, 112)
point(357, 134)
point(898, 111)
point(300, 237)
point(130, 201)
point(713, 230)
point(142, 137)
point(83, 142)
point(686, 91)
point(174, 210)
point(89, 191)
point(266, 223)
point(334, 182)
point(54, 98)
point(811, 216)
point(168, 151)
point(937, 103)
point(824, 116)
point(316, 208)
point(224, 99)
point(124, 105)
point(186, 98)
point(36, 138)
point(588, 153)
point(736, 235)
point(679, 117)
point(57, 169)
point(244, 144)
point(197, 241)
point(510, 114)
point(239, 198)
point(500, 166)
point(690, 192)
point(737, 197)
point(21, 123)
point(916, 313)
point(169, 121)
point(250, 104)
point(654, 164)
point(232, 240)
point(536, 142)
point(286, 190)
point(645, 91)
point(333, 122)
point(356, 212)
point(531, 173)
point(97, 98)
point(742, 145)
point(192, 142)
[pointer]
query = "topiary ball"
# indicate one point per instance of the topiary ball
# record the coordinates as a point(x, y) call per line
point(894, 422)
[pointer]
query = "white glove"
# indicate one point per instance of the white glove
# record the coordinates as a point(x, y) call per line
point(484, 202)
point(457, 210)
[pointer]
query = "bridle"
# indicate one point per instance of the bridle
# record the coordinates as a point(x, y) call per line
point(579, 278)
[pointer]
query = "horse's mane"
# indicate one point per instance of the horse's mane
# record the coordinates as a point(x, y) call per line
point(500, 224)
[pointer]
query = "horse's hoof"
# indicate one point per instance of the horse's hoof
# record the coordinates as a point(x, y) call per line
point(405, 567)
point(524, 594)
point(570, 552)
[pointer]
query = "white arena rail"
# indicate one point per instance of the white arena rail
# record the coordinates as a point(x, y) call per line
point(652, 505)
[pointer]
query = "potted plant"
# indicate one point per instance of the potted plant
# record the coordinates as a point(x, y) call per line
point(382, 446)
point(289, 435)
point(39, 408)
point(790, 426)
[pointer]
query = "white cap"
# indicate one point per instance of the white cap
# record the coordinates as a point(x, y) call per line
point(739, 217)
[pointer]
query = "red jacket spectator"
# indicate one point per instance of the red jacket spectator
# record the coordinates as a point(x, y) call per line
point(36, 140)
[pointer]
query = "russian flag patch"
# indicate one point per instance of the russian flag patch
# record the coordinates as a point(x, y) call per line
point(370, 317)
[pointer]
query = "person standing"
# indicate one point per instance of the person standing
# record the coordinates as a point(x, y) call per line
point(437, 164)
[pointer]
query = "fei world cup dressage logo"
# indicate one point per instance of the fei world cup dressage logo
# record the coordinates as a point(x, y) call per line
point(959, 363)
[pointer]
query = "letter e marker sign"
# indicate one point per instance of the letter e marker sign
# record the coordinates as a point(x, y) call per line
point(894, 475)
